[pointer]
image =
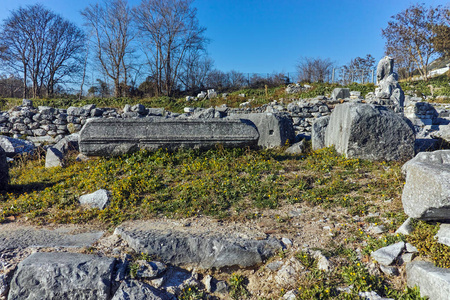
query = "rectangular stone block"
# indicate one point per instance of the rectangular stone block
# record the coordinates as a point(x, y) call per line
point(105, 137)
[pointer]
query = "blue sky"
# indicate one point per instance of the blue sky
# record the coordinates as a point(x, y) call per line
point(266, 36)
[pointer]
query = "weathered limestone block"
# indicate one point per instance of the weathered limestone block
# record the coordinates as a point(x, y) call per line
point(275, 129)
point(136, 290)
point(62, 276)
point(426, 194)
point(318, 132)
point(442, 133)
point(98, 199)
point(421, 113)
point(206, 249)
point(54, 158)
point(105, 137)
point(14, 146)
point(340, 93)
point(433, 282)
point(369, 132)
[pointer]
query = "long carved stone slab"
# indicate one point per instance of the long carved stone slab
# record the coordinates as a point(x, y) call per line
point(105, 137)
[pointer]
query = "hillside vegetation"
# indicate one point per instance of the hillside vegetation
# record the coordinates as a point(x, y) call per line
point(238, 185)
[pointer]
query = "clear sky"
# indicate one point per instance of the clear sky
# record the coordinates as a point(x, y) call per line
point(266, 36)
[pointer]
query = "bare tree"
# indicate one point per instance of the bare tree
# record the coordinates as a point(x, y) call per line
point(194, 71)
point(171, 30)
point(236, 79)
point(110, 25)
point(41, 46)
point(410, 32)
point(11, 86)
point(359, 69)
point(217, 79)
point(314, 69)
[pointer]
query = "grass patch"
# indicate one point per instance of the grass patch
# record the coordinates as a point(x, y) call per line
point(220, 183)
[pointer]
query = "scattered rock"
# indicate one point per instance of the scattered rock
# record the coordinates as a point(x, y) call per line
point(405, 228)
point(63, 276)
point(289, 272)
point(150, 270)
point(136, 290)
point(54, 158)
point(432, 281)
point(443, 235)
point(14, 236)
point(275, 129)
point(13, 146)
point(426, 193)
point(387, 255)
point(340, 93)
point(98, 199)
point(318, 132)
point(389, 270)
point(297, 148)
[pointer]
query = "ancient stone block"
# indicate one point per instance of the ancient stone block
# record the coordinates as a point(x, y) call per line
point(369, 132)
point(62, 276)
point(104, 137)
point(426, 194)
point(433, 282)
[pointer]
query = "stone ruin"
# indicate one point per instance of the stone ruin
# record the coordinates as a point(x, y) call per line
point(389, 92)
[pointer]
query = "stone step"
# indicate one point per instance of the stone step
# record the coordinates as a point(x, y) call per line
point(196, 245)
point(13, 236)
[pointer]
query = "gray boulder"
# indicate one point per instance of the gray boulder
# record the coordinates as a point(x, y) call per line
point(318, 129)
point(62, 276)
point(68, 143)
point(387, 255)
point(440, 157)
point(426, 194)
point(442, 133)
point(275, 129)
point(136, 290)
point(98, 199)
point(433, 282)
point(443, 235)
point(54, 158)
point(340, 93)
point(14, 146)
point(369, 132)
point(297, 148)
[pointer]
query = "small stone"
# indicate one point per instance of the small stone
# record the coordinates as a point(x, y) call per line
point(405, 228)
point(407, 257)
point(410, 248)
point(275, 265)
point(389, 271)
point(286, 242)
point(290, 295)
point(98, 199)
point(377, 229)
point(387, 255)
point(207, 282)
point(221, 287)
point(149, 270)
